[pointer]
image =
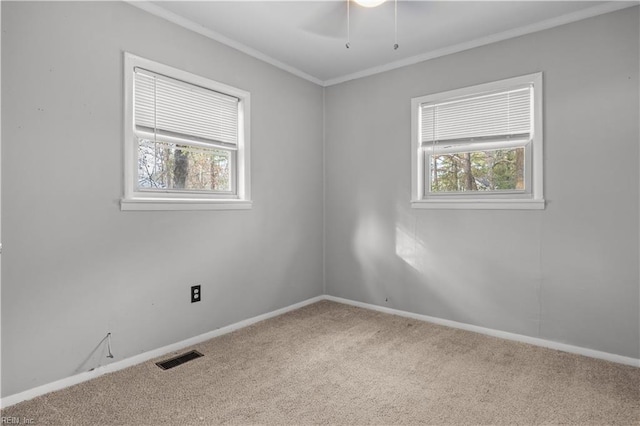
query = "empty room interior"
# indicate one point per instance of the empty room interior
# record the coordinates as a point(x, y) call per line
point(320, 212)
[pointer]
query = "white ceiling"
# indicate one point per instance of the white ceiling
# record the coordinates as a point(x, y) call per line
point(308, 38)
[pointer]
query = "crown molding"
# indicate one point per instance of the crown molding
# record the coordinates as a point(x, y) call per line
point(590, 12)
point(197, 28)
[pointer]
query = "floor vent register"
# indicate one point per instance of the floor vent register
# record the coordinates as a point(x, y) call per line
point(178, 360)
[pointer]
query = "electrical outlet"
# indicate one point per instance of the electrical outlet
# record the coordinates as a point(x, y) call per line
point(196, 294)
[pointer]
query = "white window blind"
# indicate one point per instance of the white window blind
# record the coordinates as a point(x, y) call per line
point(488, 117)
point(170, 110)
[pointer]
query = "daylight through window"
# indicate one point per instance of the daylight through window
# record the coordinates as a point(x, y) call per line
point(479, 147)
point(187, 140)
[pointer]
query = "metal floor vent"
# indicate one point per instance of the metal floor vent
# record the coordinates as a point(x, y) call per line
point(180, 359)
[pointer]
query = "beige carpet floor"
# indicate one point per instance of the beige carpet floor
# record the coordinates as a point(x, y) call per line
point(330, 363)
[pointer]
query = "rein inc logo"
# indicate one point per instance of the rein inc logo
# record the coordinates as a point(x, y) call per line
point(16, 421)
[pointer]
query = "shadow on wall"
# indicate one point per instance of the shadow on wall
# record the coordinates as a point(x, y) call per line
point(439, 263)
point(97, 357)
point(394, 265)
point(396, 268)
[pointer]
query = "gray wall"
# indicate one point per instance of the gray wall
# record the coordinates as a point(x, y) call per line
point(75, 267)
point(568, 273)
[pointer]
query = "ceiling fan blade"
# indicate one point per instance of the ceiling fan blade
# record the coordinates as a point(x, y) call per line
point(330, 19)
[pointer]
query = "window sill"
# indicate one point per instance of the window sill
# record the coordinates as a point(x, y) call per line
point(182, 204)
point(479, 204)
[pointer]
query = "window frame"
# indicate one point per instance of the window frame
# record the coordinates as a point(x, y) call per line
point(135, 199)
point(530, 198)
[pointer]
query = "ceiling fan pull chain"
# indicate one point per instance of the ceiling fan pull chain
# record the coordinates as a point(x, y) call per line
point(348, 45)
point(395, 19)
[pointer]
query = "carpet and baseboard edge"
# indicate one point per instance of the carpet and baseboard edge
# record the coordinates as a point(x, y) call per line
point(591, 353)
point(137, 359)
point(145, 356)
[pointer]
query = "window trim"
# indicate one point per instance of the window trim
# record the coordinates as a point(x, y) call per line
point(184, 200)
point(525, 201)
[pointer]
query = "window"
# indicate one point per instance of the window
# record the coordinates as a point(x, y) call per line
point(186, 140)
point(479, 147)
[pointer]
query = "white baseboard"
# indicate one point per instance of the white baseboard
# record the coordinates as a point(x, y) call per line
point(146, 356)
point(496, 333)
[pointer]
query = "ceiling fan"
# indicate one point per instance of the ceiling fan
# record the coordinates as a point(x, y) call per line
point(342, 18)
point(369, 3)
point(373, 3)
